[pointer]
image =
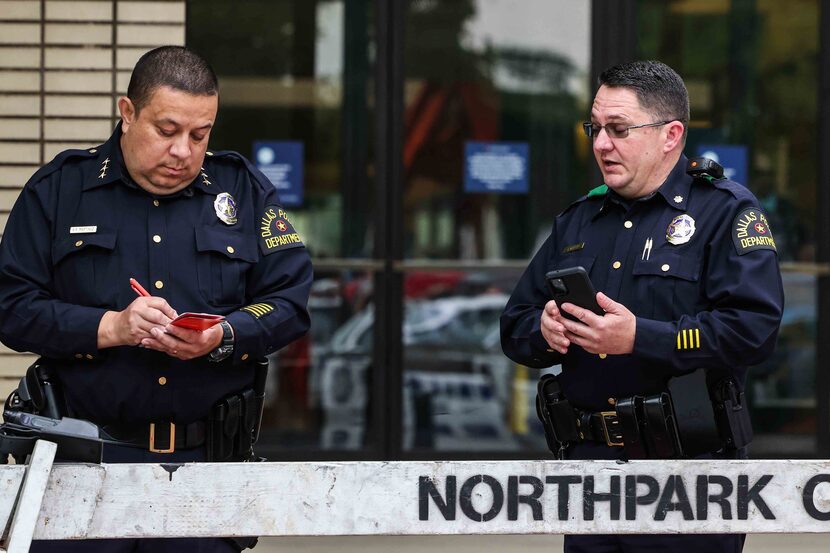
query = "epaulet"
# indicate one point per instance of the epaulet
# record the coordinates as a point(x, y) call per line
point(236, 157)
point(59, 161)
point(737, 190)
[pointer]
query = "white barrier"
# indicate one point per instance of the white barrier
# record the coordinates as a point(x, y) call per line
point(427, 498)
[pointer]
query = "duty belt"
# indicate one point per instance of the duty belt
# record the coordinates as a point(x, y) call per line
point(599, 426)
point(157, 437)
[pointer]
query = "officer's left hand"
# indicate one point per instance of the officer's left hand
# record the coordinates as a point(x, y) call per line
point(183, 343)
point(611, 333)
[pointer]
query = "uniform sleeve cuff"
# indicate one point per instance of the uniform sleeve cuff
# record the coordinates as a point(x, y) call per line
point(654, 340)
point(538, 342)
point(82, 337)
point(246, 331)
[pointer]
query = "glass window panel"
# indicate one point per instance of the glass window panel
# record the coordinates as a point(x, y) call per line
point(318, 394)
point(460, 392)
point(752, 73)
point(484, 71)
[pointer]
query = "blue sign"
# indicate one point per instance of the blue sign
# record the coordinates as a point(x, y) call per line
point(499, 167)
point(732, 158)
point(282, 163)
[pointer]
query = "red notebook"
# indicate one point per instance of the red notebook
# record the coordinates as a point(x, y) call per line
point(197, 321)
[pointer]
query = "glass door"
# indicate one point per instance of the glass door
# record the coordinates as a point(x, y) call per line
point(492, 150)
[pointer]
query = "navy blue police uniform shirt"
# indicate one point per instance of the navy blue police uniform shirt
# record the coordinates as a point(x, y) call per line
point(81, 228)
point(706, 293)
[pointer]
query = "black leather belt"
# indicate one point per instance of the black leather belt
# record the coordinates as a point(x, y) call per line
point(164, 437)
point(600, 426)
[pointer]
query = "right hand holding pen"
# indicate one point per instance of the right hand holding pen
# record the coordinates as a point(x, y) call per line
point(133, 324)
point(553, 331)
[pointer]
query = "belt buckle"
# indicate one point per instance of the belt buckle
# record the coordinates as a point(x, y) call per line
point(172, 448)
point(605, 417)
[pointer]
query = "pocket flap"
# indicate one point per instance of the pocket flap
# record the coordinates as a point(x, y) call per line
point(79, 242)
point(669, 265)
point(230, 244)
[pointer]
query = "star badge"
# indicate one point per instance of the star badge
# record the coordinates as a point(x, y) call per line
point(678, 199)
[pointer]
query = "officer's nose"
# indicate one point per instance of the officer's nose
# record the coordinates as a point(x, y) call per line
point(603, 142)
point(180, 148)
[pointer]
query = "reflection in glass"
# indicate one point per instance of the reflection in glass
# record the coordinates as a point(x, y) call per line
point(752, 75)
point(318, 392)
point(484, 71)
point(460, 392)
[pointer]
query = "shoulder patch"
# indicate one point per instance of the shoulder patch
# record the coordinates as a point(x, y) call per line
point(275, 231)
point(750, 232)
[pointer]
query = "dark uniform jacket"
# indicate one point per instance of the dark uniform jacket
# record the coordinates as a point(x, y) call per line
point(81, 228)
point(706, 287)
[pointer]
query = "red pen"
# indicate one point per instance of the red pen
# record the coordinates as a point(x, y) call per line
point(139, 289)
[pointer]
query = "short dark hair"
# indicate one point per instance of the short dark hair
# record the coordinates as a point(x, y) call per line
point(174, 66)
point(659, 89)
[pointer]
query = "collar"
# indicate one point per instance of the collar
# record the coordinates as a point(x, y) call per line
point(675, 190)
point(110, 168)
point(109, 163)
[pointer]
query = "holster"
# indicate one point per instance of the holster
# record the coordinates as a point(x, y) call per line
point(38, 392)
point(556, 414)
point(234, 423)
point(731, 412)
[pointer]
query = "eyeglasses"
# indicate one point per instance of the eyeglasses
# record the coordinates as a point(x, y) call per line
point(617, 130)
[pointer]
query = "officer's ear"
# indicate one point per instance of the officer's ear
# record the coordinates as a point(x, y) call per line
point(674, 135)
point(128, 113)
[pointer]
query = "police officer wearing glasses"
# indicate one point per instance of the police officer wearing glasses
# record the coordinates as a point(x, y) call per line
point(687, 275)
point(202, 231)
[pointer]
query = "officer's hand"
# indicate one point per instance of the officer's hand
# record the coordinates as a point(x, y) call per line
point(553, 331)
point(183, 343)
point(612, 333)
point(133, 324)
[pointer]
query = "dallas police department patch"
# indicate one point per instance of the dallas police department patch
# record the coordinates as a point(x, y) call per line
point(680, 230)
point(225, 207)
point(276, 232)
point(750, 232)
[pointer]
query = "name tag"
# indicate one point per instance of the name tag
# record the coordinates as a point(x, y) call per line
point(83, 230)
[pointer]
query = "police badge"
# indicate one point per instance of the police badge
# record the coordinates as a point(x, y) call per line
point(225, 207)
point(680, 230)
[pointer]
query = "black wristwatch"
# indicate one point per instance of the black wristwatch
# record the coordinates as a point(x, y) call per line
point(225, 348)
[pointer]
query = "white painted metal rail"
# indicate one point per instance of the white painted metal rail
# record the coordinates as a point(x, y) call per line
point(424, 498)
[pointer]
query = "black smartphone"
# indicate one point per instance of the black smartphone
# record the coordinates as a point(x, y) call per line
point(572, 285)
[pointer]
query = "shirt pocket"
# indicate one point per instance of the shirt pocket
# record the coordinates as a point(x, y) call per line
point(84, 268)
point(667, 284)
point(224, 259)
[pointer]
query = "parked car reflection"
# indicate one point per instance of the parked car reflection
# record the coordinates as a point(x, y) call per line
point(457, 382)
